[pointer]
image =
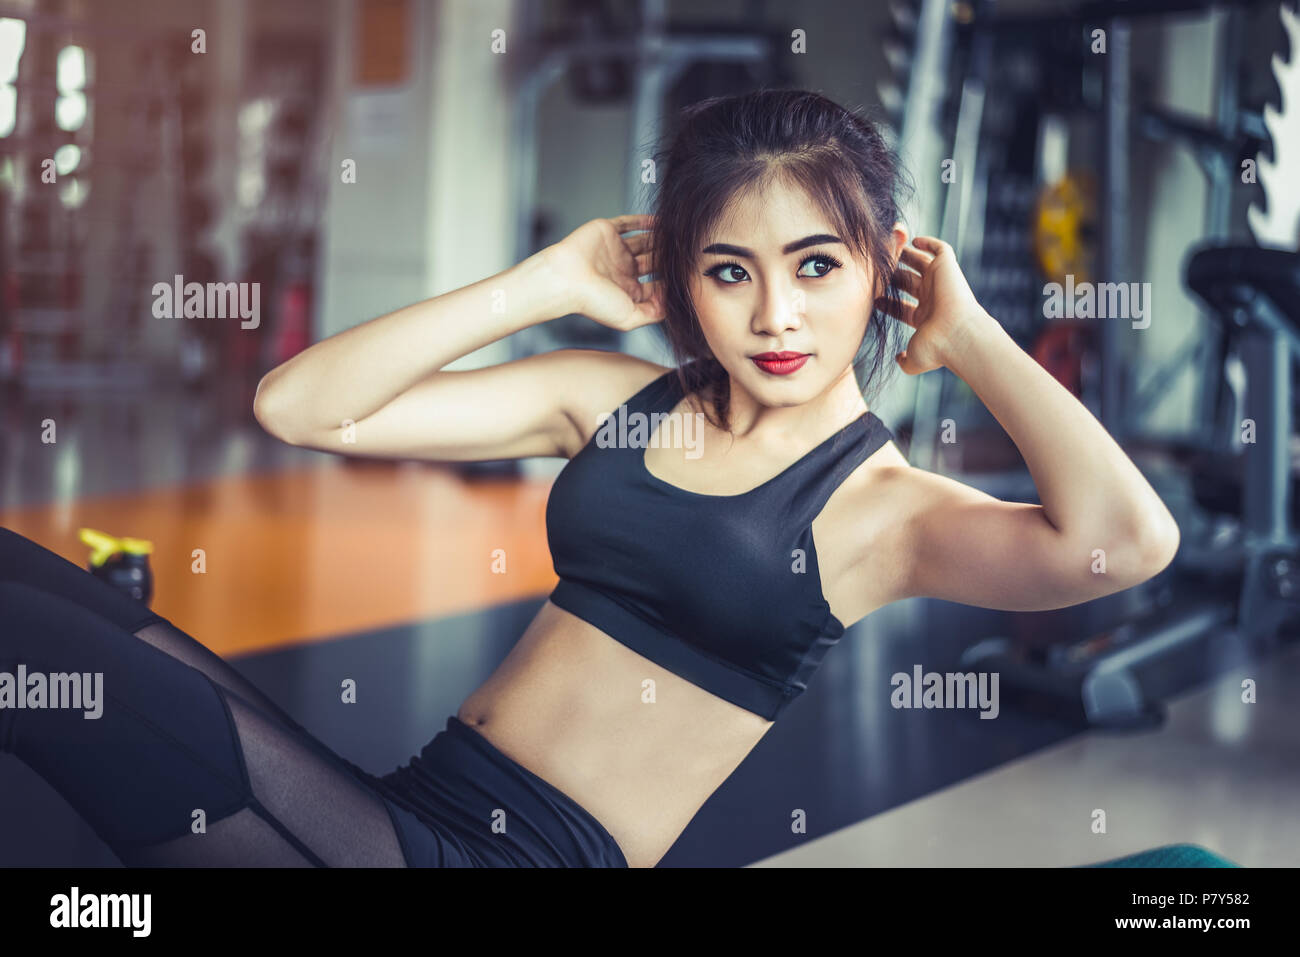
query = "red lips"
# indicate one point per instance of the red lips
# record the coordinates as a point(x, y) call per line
point(780, 363)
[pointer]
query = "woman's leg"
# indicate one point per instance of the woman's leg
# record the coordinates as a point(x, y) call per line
point(22, 560)
point(168, 742)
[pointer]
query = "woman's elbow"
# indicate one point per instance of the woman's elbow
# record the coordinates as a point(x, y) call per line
point(268, 413)
point(1158, 546)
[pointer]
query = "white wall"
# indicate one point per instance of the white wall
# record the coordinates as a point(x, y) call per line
point(430, 210)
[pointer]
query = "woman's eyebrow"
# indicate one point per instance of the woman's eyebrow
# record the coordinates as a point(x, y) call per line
point(727, 249)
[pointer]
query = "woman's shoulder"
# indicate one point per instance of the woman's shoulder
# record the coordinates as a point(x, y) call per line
point(610, 377)
point(603, 380)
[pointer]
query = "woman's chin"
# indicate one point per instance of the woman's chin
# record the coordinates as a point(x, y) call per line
point(785, 395)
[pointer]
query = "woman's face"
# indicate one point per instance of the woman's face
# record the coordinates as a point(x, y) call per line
point(760, 295)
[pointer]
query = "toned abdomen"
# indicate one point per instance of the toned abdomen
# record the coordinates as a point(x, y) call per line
point(570, 704)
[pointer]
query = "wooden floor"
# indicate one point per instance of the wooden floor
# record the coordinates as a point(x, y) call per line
point(321, 551)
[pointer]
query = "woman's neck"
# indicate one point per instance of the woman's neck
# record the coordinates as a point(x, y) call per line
point(838, 405)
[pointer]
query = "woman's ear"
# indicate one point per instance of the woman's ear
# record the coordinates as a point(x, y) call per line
point(900, 240)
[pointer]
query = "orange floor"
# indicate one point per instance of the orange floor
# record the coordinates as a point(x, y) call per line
point(311, 553)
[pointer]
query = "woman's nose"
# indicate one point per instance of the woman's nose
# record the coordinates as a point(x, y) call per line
point(782, 308)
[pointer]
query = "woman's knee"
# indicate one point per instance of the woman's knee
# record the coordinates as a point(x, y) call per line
point(19, 597)
point(49, 628)
point(25, 561)
point(35, 622)
point(16, 553)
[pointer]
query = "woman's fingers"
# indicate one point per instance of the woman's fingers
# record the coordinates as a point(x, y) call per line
point(651, 303)
point(638, 243)
point(631, 221)
point(642, 252)
point(630, 282)
point(930, 244)
point(915, 258)
point(649, 291)
point(896, 308)
point(908, 281)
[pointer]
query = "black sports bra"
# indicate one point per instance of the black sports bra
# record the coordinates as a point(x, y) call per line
point(722, 590)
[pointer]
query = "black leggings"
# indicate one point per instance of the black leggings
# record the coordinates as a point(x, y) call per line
point(180, 732)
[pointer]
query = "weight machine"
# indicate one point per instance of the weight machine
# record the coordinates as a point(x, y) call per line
point(1223, 602)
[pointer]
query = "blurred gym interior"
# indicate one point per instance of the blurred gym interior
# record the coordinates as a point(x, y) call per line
point(1168, 160)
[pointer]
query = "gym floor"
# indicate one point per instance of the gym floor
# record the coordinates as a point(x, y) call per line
point(318, 568)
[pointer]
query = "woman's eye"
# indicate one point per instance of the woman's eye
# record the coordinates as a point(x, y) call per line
point(717, 271)
point(828, 262)
point(825, 260)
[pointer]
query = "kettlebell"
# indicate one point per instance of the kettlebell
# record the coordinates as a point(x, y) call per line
point(121, 562)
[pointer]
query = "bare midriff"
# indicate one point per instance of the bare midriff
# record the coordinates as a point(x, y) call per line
point(572, 705)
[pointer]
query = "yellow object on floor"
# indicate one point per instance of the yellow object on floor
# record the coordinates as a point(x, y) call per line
point(253, 562)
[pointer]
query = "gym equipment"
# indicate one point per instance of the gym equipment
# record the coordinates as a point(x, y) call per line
point(1065, 228)
point(1237, 600)
point(1067, 82)
point(122, 562)
point(1279, 224)
point(1220, 603)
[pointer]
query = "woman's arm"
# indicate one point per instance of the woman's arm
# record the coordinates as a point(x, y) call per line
point(378, 389)
point(358, 371)
point(1101, 528)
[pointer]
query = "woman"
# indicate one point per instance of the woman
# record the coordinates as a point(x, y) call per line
point(707, 559)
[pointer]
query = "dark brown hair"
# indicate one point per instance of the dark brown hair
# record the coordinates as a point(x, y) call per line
point(723, 146)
